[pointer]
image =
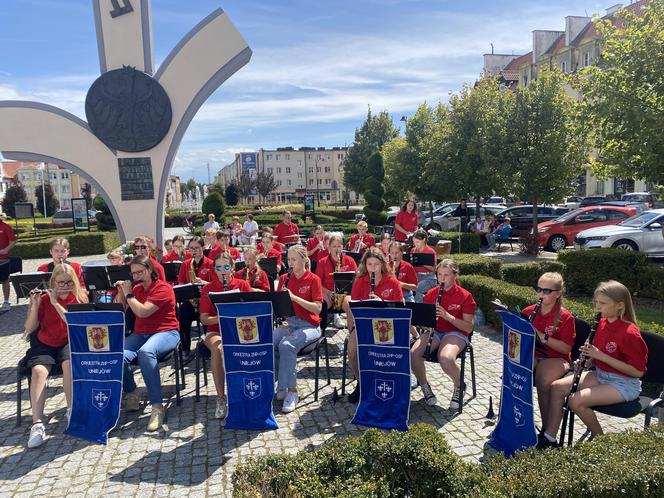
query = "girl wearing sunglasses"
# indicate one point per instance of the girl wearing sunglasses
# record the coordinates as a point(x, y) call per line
point(223, 280)
point(554, 326)
point(46, 330)
point(252, 273)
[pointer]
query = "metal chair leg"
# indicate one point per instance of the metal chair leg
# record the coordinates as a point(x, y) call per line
point(317, 372)
point(198, 376)
point(343, 368)
point(179, 353)
point(472, 370)
point(327, 363)
point(462, 384)
point(19, 385)
point(176, 366)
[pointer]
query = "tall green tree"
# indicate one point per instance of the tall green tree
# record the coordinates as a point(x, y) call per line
point(477, 139)
point(52, 202)
point(624, 96)
point(231, 194)
point(265, 183)
point(440, 174)
point(547, 151)
point(374, 190)
point(369, 138)
point(15, 193)
point(246, 186)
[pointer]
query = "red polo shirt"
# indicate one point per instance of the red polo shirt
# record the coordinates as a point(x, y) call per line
point(621, 340)
point(326, 267)
point(287, 233)
point(205, 271)
point(46, 267)
point(257, 278)
point(160, 293)
point(207, 306)
point(427, 250)
point(172, 257)
point(457, 301)
point(275, 245)
point(158, 268)
point(407, 221)
point(406, 273)
point(7, 236)
point(367, 239)
point(235, 254)
point(388, 289)
point(318, 255)
point(52, 328)
point(307, 287)
point(565, 330)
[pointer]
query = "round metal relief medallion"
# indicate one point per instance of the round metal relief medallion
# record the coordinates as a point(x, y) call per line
point(128, 110)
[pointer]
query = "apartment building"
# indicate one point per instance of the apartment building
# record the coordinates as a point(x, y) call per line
point(315, 170)
point(577, 46)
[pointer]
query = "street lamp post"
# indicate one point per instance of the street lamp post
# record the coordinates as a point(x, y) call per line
point(317, 188)
point(44, 166)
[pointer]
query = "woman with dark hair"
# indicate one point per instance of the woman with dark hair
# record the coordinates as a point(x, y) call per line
point(152, 301)
point(406, 221)
point(426, 278)
point(196, 270)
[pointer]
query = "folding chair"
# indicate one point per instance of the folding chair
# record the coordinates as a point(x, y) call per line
point(23, 371)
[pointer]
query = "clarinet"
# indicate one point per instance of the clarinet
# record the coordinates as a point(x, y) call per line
point(372, 284)
point(224, 283)
point(536, 310)
point(575, 381)
point(439, 299)
point(287, 279)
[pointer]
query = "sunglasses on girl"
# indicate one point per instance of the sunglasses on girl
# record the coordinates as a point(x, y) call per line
point(222, 267)
point(544, 291)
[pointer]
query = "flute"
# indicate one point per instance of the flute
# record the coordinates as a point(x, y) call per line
point(427, 350)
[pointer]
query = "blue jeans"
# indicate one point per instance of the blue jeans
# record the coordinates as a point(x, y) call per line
point(408, 296)
point(148, 348)
point(287, 342)
point(425, 281)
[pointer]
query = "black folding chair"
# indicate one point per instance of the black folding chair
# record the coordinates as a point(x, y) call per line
point(642, 404)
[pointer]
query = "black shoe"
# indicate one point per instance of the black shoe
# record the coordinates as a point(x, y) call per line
point(543, 443)
point(354, 397)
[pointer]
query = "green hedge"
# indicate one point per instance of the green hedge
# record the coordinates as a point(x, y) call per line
point(528, 273)
point(585, 269)
point(474, 264)
point(470, 242)
point(82, 244)
point(486, 289)
point(420, 463)
point(651, 282)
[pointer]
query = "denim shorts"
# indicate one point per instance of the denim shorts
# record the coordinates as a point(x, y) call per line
point(440, 335)
point(628, 387)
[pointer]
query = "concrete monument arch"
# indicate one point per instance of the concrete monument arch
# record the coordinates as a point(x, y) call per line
point(136, 118)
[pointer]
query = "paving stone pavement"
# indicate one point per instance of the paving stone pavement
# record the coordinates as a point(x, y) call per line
point(194, 455)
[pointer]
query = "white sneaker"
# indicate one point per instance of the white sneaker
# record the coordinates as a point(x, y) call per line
point(68, 415)
point(222, 408)
point(5, 306)
point(37, 435)
point(413, 381)
point(290, 402)
point(339, 323)
point(429, 396)
point(281, 394)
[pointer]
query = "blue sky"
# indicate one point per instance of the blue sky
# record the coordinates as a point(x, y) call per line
point(315, 69)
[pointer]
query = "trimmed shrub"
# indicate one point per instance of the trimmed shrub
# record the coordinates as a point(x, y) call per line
point(585, 269)
point(528, 273)
point(214, 203)
point(374, 190)
point(346, 214)
point(473, 264)
point(105, 220)
point(470, 242)
point(82, 244)
point(651, 282)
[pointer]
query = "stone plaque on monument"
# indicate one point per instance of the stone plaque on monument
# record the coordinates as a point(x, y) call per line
point(136, 178)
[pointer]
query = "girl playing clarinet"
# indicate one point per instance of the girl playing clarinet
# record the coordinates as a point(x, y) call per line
point(455, 307)
point(620, 356)
point(375, 280)
point(555, 330)
point(306, 293)
point(224, 279)
point(46, 330)
point(252, 273)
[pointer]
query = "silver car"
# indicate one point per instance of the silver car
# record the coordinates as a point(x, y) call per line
point(642, 232)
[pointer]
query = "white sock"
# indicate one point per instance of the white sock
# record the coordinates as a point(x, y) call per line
point(549, 438)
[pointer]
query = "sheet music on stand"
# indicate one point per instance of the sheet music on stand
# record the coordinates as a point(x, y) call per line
point(96, 278)
point(95, 307)
point(343, 282)
point(23, 283)
point(118, 273)
point(419, 258)
point(268, 265)
point(357, 257)
point(185, 292)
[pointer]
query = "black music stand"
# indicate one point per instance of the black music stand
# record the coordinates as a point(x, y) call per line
point(268, 265)
point(343, 282)
point(23, 283)
point(96, 278)
point(420, 258)
point(95, 307)
point(118, 273)
point(172, 270)
point(240, 265)
point(281, 302)
point(357, 257)
point(185, 292)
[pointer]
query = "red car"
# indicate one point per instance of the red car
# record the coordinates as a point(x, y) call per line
point(557, 234)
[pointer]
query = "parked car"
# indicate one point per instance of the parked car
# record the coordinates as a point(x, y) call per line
point(642, 232)
point(557, 234)
point(521, 217)
point(646, 197)
point(496, 200)
point(572, 202)
point(65, 217)
point(591, 200)
point(445, 221)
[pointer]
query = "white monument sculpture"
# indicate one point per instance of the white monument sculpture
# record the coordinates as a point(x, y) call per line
point(136, 117)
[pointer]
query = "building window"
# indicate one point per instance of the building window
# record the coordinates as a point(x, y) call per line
point(320, 181)
point(327, 181)
point(289, 182)
point(309, 156)
point(525, 80)
point(299, 162)
point(563, 66)
point(268, 157)
point(299, 175)
point(311, 181)
point(278, 170)
point(327, 169)
point(340, 156)
point(287, 157)
point(599, 188)
point(311, 169)
point(269, 170)
point(287, 170)
point(64, 176)
point(586, 59)
point(317, 169)
point(279, 183)
point(328, 157)
point(278, 157)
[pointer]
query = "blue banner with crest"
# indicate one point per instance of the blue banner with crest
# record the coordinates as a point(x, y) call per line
point(515, 430)
point(96, 339)
point(246, 335)
point(383, 351)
